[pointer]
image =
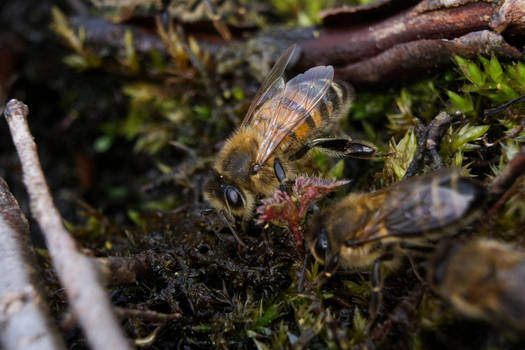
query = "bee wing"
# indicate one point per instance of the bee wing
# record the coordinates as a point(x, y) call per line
point(272, 85)
point(290, 108)
point(424, 204)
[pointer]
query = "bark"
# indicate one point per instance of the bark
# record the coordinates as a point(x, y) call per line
point(383, 41)
point(24, 317)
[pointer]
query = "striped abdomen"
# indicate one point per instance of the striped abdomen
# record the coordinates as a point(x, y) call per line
point(292, 106)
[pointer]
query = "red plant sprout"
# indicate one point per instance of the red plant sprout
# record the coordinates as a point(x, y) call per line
point(291, 210)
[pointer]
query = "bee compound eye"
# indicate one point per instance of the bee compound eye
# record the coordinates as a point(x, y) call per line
point(321, 245)
point(233, 196)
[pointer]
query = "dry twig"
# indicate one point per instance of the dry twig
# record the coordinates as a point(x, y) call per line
point(509, 174)
point(24, 318)
point(75, 271)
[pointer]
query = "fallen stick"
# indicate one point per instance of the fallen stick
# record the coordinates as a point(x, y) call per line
point(24, 318)
point(88, 299)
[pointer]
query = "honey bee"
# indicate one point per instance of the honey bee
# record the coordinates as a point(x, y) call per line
point(375, 230)
point(482, 278)
point(283, 122)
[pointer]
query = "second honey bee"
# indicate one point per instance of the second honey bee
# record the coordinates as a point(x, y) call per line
point(374, 230)
point(283, 122)
point(482, 278)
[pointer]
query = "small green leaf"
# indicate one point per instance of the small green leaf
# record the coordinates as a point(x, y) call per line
point(466, 134)
point(404, 152)
point(508, 91)
point(337, 170)
point(134, 216)
point(117, 192)
point(494, 69)
point(203, 112)
point(271, 313)
point(471, 71)
point(130, 59)
point(359, 323)
point(464, 104)
point(369, 129)
point(103, 143)
point(260, 345)
point(69, 225)
point(238, 94)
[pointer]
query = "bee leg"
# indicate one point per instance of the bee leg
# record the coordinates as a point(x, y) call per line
point(280, 174)
point(376, 297)
point(300, 284)
point(329, 270)
point(341, 147)
point(418, 249)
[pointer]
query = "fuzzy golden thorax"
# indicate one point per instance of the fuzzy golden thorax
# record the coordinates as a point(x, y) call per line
point(235, 187)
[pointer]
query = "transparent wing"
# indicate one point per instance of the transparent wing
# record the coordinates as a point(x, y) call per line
point(272, 85)
point(422, 205)
point(286, 111)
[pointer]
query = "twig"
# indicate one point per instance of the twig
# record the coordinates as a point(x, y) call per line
point(147, 314)
point(427, 141)
point(513, 133)
point(150, 339)
point(492, 111)
point(502, 187)
point(435, 131)
point(24, 318)
point(89, 301)
point(507, 176)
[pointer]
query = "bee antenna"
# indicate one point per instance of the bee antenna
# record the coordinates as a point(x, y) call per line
point(300, 284)
point(243, 201)
point(227, 203)
point(232, 230)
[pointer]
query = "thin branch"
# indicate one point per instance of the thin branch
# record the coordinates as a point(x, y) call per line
point(505, 179)
point(492, 111)
point(512, 133)
point(148, 315)
point(24, 318)
point(89, 301)
point(427, 142)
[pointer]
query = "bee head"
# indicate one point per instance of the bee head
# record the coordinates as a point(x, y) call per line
point(228, 197)
point(317, 239)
